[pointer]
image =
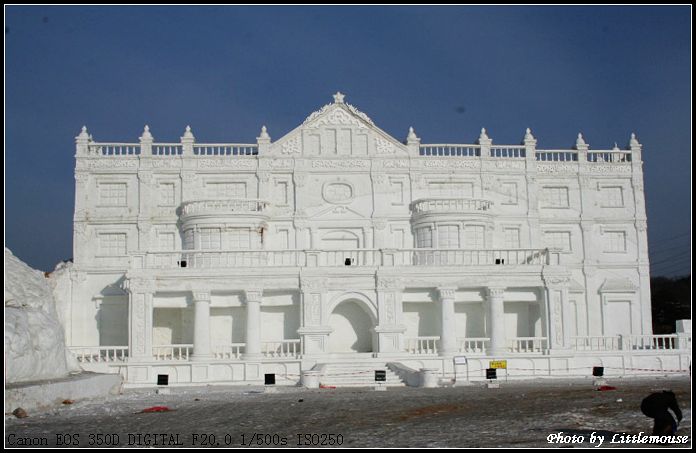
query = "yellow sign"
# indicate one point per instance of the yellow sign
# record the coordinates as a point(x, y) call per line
point(502, 364)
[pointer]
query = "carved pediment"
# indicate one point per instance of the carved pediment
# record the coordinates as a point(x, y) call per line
point(338, 130)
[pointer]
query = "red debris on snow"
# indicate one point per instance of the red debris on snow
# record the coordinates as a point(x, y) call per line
point(603, 388)
point(156, 409)
point(322, 386)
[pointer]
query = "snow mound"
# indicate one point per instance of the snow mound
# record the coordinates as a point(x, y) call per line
point(34, 339)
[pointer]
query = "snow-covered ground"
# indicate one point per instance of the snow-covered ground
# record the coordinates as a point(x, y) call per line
point(34, 339)
point(518, 414)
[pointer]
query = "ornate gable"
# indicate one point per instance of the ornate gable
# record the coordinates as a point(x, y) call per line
point(338, 130)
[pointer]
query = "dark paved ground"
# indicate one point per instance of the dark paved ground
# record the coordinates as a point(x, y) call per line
point(519, 414)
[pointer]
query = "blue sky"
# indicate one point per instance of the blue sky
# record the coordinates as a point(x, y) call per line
point(447, 71)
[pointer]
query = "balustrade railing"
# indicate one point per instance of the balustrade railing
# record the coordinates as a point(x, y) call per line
point(653, 342)
point(508, 151)
point(225, 149)
point(100, 354)
point(527, 344)
point(422, 345)
point(445, 150)
point(206, 259)
point(228, 351)
point(450, 205)
point(281, 349)
point(609, 156)
point(596, 343)
point(222, 206)
point(114, 149)
point(167, 149)
point(472, 345)
point(172, 352)
point(556, 156)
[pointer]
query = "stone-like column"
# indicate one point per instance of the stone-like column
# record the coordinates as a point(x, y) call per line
point(558, 310)
point(390, 330)
point(252, 350)
point(314, 334)
point(201, 326)
point(448, 333)
point(140, 309)
point(496, 321)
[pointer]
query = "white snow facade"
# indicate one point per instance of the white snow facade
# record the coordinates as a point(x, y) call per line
point(338, 247)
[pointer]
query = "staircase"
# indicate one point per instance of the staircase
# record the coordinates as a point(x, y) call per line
point(356, 374)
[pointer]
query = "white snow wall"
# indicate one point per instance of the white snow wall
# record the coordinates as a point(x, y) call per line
point(34, 338)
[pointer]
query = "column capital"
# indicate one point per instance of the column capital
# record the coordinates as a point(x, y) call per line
point(446, 292)
point(313, 283)
point(201, 296)
point(253, 295)
point(390, 283)
point(495, 291)
point(138, 285)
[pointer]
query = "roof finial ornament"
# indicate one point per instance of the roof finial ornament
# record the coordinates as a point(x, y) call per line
point(616, 147)
point(580, 141)
point(338, 97)
point(187, 133)
point(634, 141)
point(264, 133)
point(528, 134)
point(483, 135)
point(84, 135)
point(411, 134)
point(146, 133)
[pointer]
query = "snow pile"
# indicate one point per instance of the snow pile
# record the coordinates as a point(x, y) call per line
point(61, 286)
point(34, 339)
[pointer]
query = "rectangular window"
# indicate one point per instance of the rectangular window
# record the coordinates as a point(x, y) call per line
point(239, 238)
point(165, 194)
point(558, 240)
point(509, 192)
point(225, 190)
point(282, 193)
point(112, 244)
point(474, 237)
point(165, 241)
point(451, 189)
point(283, 239)
point(113, 194)
point(188, 240)
point(555, 197)
point(511, 238)
point(424, 238)
point(615, 241)
point(448, 237)
point(398, 236)
point(210, 238)
point(611, 197)
point(396, 189)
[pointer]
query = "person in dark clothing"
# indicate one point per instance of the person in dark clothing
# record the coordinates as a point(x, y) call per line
point(656, 405)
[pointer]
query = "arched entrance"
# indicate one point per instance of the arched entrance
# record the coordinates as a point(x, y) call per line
point(352, 326)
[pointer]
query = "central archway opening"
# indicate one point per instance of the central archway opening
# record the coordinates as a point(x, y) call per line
point(352, 328)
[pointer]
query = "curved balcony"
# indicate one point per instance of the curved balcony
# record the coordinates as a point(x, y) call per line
point(450, 206)
point(229, 211)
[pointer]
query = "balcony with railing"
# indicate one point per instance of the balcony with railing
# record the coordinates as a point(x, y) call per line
point(227, 206)
point(213, 259)
point(450, 206)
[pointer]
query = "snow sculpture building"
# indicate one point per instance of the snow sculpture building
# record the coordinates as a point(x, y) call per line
point(339, 247)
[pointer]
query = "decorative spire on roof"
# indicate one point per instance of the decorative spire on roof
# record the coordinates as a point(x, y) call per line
point(483, 135)
point(634, 141)
point(188, 135)
point(528, 135)
point(147, 136)
point(616, 147)
point(84, 135)
point(412, 134)
point(580, 142)
point(338, 97)
point(264, 133)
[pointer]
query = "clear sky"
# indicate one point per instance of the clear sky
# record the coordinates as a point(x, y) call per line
point(447, 71)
